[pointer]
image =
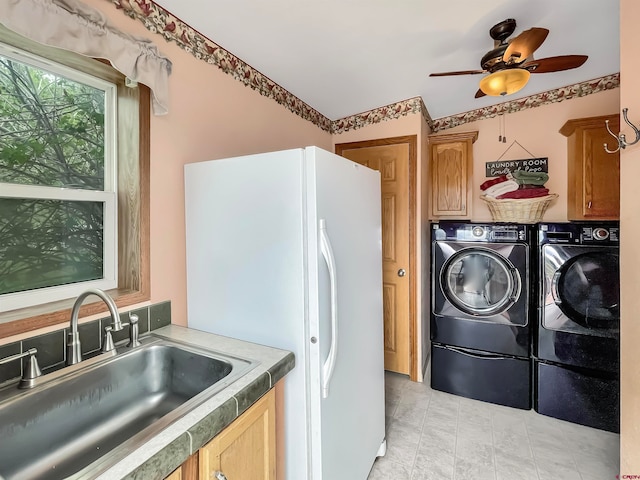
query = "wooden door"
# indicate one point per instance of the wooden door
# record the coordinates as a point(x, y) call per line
point(246, 448)
point(392, 160)
point(601, 172)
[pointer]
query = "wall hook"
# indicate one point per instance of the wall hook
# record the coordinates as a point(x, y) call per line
point(621, 138)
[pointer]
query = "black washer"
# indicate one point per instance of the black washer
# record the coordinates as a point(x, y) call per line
point(578, 332)
point(481, 311)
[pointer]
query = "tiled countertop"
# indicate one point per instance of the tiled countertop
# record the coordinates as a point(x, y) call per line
point(170, 448)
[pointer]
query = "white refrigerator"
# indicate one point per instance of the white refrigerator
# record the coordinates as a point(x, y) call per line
point(284, 249)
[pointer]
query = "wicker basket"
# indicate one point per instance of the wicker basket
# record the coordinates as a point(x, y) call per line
point(523, 210)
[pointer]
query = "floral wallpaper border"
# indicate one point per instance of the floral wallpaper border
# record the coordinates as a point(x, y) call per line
point(158, 20)
point(552, 96)
point(425, 114)
point(380, 114)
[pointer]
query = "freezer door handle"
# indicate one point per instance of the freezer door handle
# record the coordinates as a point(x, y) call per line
point(330, 362)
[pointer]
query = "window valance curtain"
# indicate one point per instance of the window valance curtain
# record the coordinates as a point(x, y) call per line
point(72, 25)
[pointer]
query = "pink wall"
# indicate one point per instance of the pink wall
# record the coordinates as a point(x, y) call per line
point(629, 246)
point(537, 130)
point(211, 116)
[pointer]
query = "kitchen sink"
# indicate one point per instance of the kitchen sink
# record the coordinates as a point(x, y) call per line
point(82, 419)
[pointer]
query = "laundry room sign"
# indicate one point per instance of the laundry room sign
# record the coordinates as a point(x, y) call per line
point(503, 167)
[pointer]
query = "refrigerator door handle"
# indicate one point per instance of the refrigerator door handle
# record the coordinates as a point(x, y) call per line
point(330, 362)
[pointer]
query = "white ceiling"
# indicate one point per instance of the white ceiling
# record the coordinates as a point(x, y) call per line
point(347, 56)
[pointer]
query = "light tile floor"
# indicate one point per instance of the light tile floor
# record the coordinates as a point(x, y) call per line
point(432, 435)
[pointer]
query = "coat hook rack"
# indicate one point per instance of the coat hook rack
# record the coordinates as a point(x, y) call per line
point(621, 138)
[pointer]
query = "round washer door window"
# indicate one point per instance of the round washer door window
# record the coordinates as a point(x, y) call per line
point(587, 290)
point(480, 282)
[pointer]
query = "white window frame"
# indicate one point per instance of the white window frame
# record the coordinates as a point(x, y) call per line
point(108, 197)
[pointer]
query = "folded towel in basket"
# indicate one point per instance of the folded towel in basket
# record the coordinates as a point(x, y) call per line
point(530, 178)
point(493, 181)
point(525, 193)
point(501, 188)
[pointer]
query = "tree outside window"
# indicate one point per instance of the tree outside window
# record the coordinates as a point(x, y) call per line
point(57, 181)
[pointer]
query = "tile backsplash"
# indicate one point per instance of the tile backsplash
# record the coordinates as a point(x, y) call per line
point(52, 346)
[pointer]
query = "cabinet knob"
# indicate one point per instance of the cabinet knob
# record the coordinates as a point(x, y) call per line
point(589, 205)
point(218, 475)
point(402, 272)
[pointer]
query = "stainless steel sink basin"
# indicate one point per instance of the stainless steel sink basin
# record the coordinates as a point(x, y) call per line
point(86, 419)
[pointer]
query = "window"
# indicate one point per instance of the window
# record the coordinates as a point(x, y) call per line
point(74, 184)
point(58, 214)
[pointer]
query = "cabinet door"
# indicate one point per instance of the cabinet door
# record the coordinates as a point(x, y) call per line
point(593, 180)
point(601, 176)
point(452, 171)
point(176, 475)
point(245, 450)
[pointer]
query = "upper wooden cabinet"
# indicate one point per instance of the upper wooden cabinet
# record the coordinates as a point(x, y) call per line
point(593, 189)
point(452, 174)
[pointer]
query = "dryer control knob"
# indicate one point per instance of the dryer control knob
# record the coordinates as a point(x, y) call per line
point(600, 233)
point(477, 231)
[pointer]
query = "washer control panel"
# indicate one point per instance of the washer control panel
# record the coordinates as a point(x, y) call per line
point(600, 233)
point(481, 232)
point(592, 233)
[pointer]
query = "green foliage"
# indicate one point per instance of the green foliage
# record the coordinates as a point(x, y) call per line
point(51, 129)
point(49, 242)
point(51, 134)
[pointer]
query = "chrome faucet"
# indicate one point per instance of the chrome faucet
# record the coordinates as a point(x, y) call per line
point(74, 353)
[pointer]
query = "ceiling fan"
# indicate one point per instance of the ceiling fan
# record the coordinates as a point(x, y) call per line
point(510, 64)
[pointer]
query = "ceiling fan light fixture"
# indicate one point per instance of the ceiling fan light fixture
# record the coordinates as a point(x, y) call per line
point(504, 82)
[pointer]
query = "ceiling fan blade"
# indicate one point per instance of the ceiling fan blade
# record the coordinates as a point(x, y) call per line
point(523, 46)
point(555, 64)
point(480, 93)
point(462, 72)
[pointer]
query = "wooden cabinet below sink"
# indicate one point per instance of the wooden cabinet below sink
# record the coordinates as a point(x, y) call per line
point(245, 450)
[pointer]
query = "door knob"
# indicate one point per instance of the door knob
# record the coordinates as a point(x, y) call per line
point(401, 272)
point(218, 475)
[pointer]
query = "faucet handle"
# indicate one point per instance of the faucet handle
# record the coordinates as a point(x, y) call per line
point(31, 370)
point(107, 344)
